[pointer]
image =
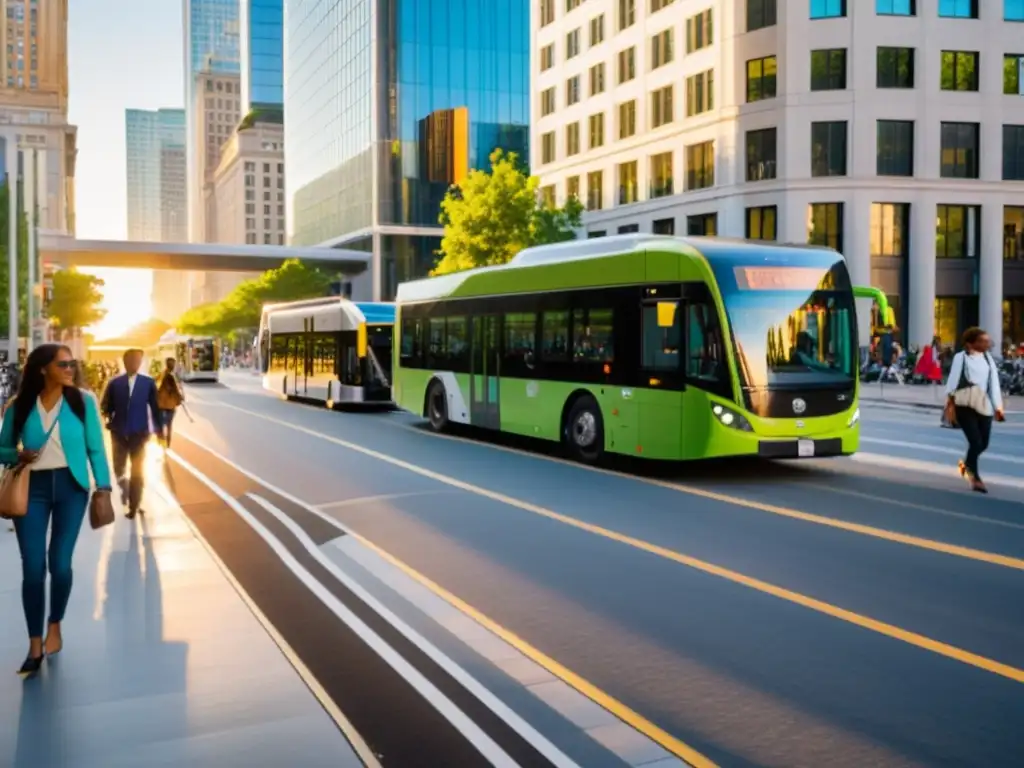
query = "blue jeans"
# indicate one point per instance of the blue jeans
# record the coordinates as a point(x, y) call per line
point(56, 493)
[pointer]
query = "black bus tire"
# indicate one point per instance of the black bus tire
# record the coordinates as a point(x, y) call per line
point(437, 406)
point(583, 431)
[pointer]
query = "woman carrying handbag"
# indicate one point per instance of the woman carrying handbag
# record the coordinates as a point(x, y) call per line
point(61, 437)
point(973, 399)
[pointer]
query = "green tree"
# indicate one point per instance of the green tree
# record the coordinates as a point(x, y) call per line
point(74, 301)
point(241, 308)
point(5, 271)
point(494, 214)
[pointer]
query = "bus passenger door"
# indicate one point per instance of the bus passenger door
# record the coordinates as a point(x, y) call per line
point(484, 383)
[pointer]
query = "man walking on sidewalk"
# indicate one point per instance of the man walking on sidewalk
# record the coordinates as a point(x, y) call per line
point(131, 410)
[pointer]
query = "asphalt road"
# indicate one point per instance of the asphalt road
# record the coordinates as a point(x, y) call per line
point(849, 612)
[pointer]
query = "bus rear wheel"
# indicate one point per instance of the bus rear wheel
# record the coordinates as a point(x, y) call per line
point(583, 431)
point(437, 406)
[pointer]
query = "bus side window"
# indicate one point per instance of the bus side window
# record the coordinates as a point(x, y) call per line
point(279, 353)
point(265, 350)
point(705, 355)
point(411, 351)
point(662, 336)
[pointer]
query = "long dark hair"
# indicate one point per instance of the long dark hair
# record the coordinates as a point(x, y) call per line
point(32, 380)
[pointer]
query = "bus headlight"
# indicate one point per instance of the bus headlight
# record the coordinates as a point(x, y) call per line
point(729, 418)
point(855, 417)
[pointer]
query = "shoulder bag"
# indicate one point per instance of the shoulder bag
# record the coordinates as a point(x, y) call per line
point(14, 483)
point(968, 395)
point(101, 510)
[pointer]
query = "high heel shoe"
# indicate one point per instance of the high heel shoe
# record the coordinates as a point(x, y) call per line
point(31, 666)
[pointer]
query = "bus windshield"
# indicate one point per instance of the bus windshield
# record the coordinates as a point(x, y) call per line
point(794, 325)
point(202, 355)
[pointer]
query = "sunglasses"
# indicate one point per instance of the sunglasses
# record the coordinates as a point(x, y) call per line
point(66, 364)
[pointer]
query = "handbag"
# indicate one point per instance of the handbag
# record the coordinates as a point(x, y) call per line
point(101, 510)
point(968, 395)
point(14, 484)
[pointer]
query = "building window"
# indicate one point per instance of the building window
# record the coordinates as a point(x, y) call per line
point(700, 93)
point(661, 175)
point(761, 14)
point(628, 189)
point(894, 152)
point(958, 9)
point(828, 69)
point(700, 166)
point(1013, 153)
point(547, 101)
point(572, 188)
point(663, 226)
point(661, 48)
point(627, 14)
point(702, 225)
point(895, 7)
point(828, 9)
point(596, 126)
point(828, 148)
point(1013, 232)
point(597, 30)
point(571, 5)
point(825, 225)
point(595, 190)
point(1013, 10)
point(959, 71)
point(761, 78)
point(699, 31)
point(596, 233)
point(762, 223)
point(1013, 65)
point(627, 119)
point(547, 12)
point(890, 230)
point(661, 107)
point(657, 5)
point(547, 57)
point(957, 231)
point(895, 68)
point(629, 229)
point(547, 196)
point(572, 43)
point(960, 150)
point(572, 90)
point(572, 139)
point(761, 154)
point(627, 65)
point(597, 79)
point(547, 147)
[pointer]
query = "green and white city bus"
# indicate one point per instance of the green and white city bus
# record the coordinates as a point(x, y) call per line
point(653, 346)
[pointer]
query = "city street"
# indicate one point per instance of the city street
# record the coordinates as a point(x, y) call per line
point(849, 612)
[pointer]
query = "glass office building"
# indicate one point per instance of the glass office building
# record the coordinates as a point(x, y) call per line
point(388, 103)
point(155, 162)
point(261, 51)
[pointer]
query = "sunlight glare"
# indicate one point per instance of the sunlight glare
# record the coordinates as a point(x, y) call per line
point(127, 299)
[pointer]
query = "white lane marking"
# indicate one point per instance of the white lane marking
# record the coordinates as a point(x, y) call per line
point(352, 536)
point(885, 460)
point(470, 683)
point(348, 731)
point(459, 720)
point(365, 499)
point(937, 449)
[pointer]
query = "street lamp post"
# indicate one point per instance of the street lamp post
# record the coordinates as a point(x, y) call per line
point(11, 147)
point(29, 163)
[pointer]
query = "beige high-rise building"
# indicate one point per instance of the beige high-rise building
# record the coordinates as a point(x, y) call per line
point(34, 101)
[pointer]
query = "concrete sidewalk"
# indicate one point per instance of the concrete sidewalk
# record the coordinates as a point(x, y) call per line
point(920, 396)
point(164, 663)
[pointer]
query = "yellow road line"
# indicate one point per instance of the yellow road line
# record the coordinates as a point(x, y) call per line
point(881, 627)
point(588, 689)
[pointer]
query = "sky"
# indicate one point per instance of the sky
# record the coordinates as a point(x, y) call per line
point(122, 54)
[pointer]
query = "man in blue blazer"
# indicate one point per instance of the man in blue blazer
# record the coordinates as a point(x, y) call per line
point(130, 408)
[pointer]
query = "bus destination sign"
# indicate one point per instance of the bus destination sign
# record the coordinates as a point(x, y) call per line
point(778, 278)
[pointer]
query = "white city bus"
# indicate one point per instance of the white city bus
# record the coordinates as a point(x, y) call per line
point(198, 356)
point(329, 350)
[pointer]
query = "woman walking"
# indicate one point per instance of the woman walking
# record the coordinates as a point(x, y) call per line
point(61, 437)
point(973, 399)
point(168, 397)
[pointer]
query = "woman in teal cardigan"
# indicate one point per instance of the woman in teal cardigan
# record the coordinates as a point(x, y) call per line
point(61, 436)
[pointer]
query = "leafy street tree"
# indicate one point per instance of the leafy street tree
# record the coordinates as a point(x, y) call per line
point(22, 266)
point(74, 301)
point(241, 308)
point(494, 214)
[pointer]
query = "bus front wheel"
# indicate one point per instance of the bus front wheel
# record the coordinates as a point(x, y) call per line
point(437, 406)
point(584, 431)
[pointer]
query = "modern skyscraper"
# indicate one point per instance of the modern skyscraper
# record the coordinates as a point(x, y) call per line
point(155, 142)
point(210, 47)
point(387, 102)
point(261, 49)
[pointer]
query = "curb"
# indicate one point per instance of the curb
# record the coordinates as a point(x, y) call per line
point(916, 406)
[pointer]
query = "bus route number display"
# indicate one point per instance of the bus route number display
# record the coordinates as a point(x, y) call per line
point(778, 278)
